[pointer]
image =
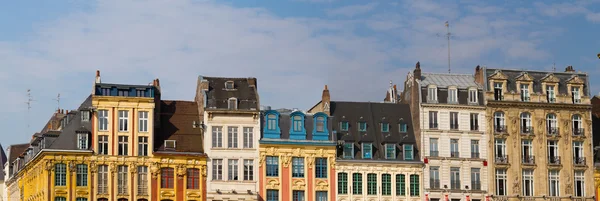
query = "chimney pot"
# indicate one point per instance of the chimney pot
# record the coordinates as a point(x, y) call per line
point(97, 73)
point(326, 87)
point(418, 66)
point(157, 82)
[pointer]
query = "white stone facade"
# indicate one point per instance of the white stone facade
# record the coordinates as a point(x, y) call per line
point(244, 187)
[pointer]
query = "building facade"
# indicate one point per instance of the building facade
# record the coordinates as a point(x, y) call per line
point(377, 157)
point(451, 113)
point(540, 134)
point(229, 109)
point(297, 156)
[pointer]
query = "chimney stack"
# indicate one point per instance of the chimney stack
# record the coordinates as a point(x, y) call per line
point(326, 101)
point(98, 76)
point(252, 82)
point(569, 69)
point(417, 71)
point(479, 75)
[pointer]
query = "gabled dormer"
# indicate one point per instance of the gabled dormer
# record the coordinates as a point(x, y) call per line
point(525, 86)
point(550, 87)
point(271, 125)
point(497, 83)
point(229, 85)
point(297, 130)
point(575, 88)
point(320, 131)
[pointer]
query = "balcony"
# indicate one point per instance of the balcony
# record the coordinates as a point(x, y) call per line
point(552, 131)
point(528, 160)
point(433, 126)
point(454, 154)
point(453, 126)
point(434, 153)
point(455, 184)
point(502, 159)
point(551, 100)
point(527, 130)
point(578, 132)
point(554, 160)
point(525, 98)
point(475, 185)
point(579, 161)
point(499, 129)
point(475, 155)
point(434, 183)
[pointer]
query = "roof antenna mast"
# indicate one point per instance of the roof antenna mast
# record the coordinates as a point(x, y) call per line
point(29, 101)
point(448, 37)
point(57, 99)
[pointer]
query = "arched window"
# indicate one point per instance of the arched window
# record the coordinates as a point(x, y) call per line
point(551, 124)
point(499, 124)
point(297, 131)
point(297, 122)
point(320, 131)
point(526, 123)
point(577, 127)
point(271, 127)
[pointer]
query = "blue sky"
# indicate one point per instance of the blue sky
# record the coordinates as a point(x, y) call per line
point(293, 47)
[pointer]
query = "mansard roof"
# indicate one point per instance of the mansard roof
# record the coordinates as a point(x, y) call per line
point(462, 81)
point(177, 120)
point(285, 125)
point(67, 140)
point(245, 91)
point(538, 77)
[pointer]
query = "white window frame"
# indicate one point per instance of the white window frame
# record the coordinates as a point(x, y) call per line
point(551, 93)
point(85, 115)
point(229, 83)
point(233, 170)
point(473, 96)
point(217, 136)
point(168, 142)
point(525, 95)
point(248, 137)
point(553, 183)
point(501, 176)
point(499, 148)
point(143, 121)
point(579, 177)
point(552, 148)
point(452, 95)
point(433, 146)
point(526, 121)
point(576, 90)
point(123, 145)
point(103, 120)
point(577, 149)
point(102, 142)
point(551, 121)
point(577, 119)
point(248, 170)
point(122, 180)
point(528, 183)
point(217, 169)
point(142, 180)
point(143, 146)
point(82, 141)
point(232, 137)
point(123, 120)
point(231, 106)
point(432, 94)
point(527, 148)
point(103, 179)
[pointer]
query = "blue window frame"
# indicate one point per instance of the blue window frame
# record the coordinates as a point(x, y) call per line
point(272, 166)
point(298, 124)
point(271, 122)
point(408, 152)
point(297, 167)
point(297, 130)
point(321, 167)
point(272, 195)
point(367, 149)
point(320, 131)
point(385, 127)
point(298, 195)
point(362, 126)
point(390, 151)
point(348, 150)
point(271, 128)
point(321, 195)
point(402, 127)
point(344, 126)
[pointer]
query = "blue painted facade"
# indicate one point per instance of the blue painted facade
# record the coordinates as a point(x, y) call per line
point(104, 89)
point(296, 128)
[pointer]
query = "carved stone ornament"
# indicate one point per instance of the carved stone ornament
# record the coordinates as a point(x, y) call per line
point(332, 162)
point(50, 165)
point(285, 160)
point(155, 169)
point(319, 153)
point(550, 78)
point(203, 171)
point(298, 184)
point(112, 167)
point(272, 184)
point(271, 151)
point(322, 185)
point(310, 159)
point(516, 186)
point(569, 189)
point(261, 160)
point(297, 152)
point(181, 170)
point(575, 80)
point(498, 75)
point(93, 167)
point(524, 77)
point(133, 169)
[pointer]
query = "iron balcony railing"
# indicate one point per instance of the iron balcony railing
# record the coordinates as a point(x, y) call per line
point(579, 161)
point(552, 131)
point(527, 130)
point(530, 160)
point(499, 129)
point(474, 154)
point(434, 183)
point(502, 159)
point(454, 154)
point(551, 100)
point(525, 98)
point(476, 185)
point(554, 160)
point(578, 132)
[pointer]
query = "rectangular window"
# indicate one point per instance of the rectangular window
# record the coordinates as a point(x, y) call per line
point(233, 169)
point(474, 122)
point(433, 121)
point(454, 178)
point(232, 137)
point(371, 184)
point(475, 179)
point(454, 148)
point(501, 182)
point(167, 177)
point(248, 170)
point(122, 180)
point(140, 93)
point(524, 92)
point(385, 127)
point(578, 153)
point(434, 177)
point(579, 184)
point(414, 185)
point(432, 95)
point(123, 93)
point(82, 173)
point(576, 95)
point(123, 120)
point(232, 104)
point(454, 120)
point(143, 121)
point(142, 180)
point(342, 183)
point(297, 167)
point(298, 195)
point(85, 116)
point(105, 91)
point(362, 126)
point(272, 195)
point(103, 144)
point(498, 95)
point(321, 196)
point(320, 124)
point(321, 167)
point(82, 141)
point(344, 126)
point(272, 166)
point(298, 123)
point(550, 94)
point(402, 127)
point(348, 150)
point(500, 148)
point(248, 138)
point(400, 185)
point(553, 156)
point(390, 151)
point(60, 199)
point(102, 120)
point(142, 146)
point(103, 179)
point(217, 173)
point(367, 149)
point(452, 96)
point(472, 96)
point(408, 152)
point(386, 184)
point(217, 136)
point(553, 183)
point(60, 174)
point(474, 148)
point(357, 184)
point(433, 147)
point(527, 182)
point(527, 151)
point(123, 148)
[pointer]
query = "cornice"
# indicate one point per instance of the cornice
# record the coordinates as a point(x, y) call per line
point(453, 106)
point(520, 104)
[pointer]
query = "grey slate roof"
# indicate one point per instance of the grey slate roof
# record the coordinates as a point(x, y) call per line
point(537, 77)
point(15, 151)
point(2, 161)
point(445, 80)
point(245, 92)
point(67, 140)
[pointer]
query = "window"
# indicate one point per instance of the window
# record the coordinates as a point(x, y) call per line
point(501, 182)
point(524, 92)
point(342, 183)
point(298, 195)
point(140, 93)
point(248, 138)
point(320, 124)
point(321, 196)
point(577, 126)
point(367, 150)
point(298, 123)
point(408, 152)
point(454, 178)
point(232, 104)
point(433, 121)
point(550, 95)
point(371, 184)
point(297, 167)
point(82, 172)
point(82, 141)
point(122, 180)
point(272, 195)
point(473, 96)
point(103, 144)
point(452, 96)
point(85, 116)
point(344, 126)
point(232, 137)
point(414, 185)
point(400, 185)
point(433, 147)
point(142, 180)
point(123, 118)
point(385, 127)
point(454, 148)
point(229, 85)
point(248, 170)
point(386, 184)
point(123, 92)
point(434, 177)
point(143, 146)
point(527, 151)
point(390, 151)
point(105, 91)
point(321, 167)
point(272, 166)
point(527, 182)
point(271, 122)
point(167, 177)
point(60, 174)
point(356, 183)
point(475, 179)
point(432, 95)
point(143, 121)
point(576, 94)
point(217, 136)
point(499, 125)
point(578, 153)
point(102, 120)
point(454, 120)
point(553, 156)
point(233, 170)
point(362, 126)
point(123, 145)
point(554, 183)
point(500, 150)
point(60, 199)
point(551, 124)
point(474, 148)
point(579, 184)
point(103, 179)
point(217, 173)
point(81, 199)
point(498, 95)
point(526, 123)
point(402, 127)
point(348, 150)
point(474, 121)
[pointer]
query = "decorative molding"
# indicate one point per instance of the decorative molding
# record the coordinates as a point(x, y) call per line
point(550, 78)
point(575, 80)
point(524, 77)
point(261, 160)
point(498, 75)
point(272, 184)
point(322, 185)
point(285, 159)
point(298, 184)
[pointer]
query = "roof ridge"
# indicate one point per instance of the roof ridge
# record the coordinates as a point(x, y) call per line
point(537, 71)
point(453, 74)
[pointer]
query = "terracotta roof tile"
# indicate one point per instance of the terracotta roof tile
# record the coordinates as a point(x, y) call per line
point(177, 123)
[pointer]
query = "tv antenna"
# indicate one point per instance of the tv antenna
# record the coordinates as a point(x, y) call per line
point(29, 101)
point(57, 99)
point(448, 38)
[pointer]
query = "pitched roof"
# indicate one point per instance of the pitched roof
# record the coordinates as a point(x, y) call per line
point(2, 161)
point(177, 123)
point(67, 140)
point(446, 80)
point(538, 76)
point(16, 150)
point(245, 90)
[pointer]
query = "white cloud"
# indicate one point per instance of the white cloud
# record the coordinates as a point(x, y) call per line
point(316, 1)
point(353, 10)
point(485, 9)
point(571, 8)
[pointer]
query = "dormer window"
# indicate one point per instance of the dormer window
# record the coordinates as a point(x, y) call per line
point(344, 126)
point(298, 132)
point(390, 151)
point(432, 95)
point(271, 125)
point(473, 96)
point(105, 91)
point(320, 124)
point(385, 127)
point(498, 95)
point(348, 150)
point(170, 144)
point(297, 122)
point(320, 131)
point(272, 122)
point(82, 141)
point(85, 116)
point(452, 95)
point(232, 104)
point(123, 92)
point(576, 94)
point(362, 126)
point(550, 94)
point(525, 97)
point(140, 93)
point(402, 127)
point(229, 85)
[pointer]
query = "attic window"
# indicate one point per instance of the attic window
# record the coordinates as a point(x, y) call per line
point(82, 141)
point(170, 144)
point(85, 116)
point(232, 103)
point(229, 85)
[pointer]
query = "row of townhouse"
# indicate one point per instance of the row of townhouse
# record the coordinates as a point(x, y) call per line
point(498, 134)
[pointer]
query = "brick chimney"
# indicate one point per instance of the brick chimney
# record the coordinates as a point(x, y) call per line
point(252, 82)
point(98, 76)
point(157, 98)
point(417, 71)
point(201, 89)
point(326, 101)
point(479, 75)
point(569, 69)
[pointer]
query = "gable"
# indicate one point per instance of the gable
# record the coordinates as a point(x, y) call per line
point(498, 75)
point(550, 78)
point(575, 80)
point(525, 77)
